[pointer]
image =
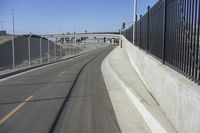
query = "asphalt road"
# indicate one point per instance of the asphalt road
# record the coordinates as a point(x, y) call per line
point(69, 97)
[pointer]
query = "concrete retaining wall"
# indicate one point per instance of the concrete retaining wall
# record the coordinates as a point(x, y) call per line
point(178, 97)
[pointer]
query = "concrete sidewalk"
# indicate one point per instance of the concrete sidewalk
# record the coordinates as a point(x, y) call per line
point(135, 108)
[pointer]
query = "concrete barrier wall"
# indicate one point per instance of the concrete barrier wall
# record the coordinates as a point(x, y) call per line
point(177, 96)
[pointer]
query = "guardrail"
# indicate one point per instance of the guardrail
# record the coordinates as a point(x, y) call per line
point(170, 32)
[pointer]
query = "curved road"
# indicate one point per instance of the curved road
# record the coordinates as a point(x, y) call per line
point(68, 97)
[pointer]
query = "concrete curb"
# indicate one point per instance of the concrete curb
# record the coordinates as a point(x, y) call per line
point(12, 74)
point(128, 117)
point(146, 111)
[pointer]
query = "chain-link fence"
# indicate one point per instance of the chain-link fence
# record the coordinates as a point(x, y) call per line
point(17, 52)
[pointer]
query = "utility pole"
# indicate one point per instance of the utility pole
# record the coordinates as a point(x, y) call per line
point(13, 46)
point(134, 19)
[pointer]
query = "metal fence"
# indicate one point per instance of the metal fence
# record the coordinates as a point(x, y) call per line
point(170, 32)
point(31, 50)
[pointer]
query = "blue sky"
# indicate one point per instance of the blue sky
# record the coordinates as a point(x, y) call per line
point(46, 16)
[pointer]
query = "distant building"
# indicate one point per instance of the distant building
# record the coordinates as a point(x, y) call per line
point(3, 33)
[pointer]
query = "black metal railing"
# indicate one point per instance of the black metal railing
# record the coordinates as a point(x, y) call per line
point(170, 32)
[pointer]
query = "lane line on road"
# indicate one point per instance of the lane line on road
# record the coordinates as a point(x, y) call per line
point(61, 73)
point(5, 118)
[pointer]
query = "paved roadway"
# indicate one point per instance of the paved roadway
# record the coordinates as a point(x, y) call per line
point(69, 97)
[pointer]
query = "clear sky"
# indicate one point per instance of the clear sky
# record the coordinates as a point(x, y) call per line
point(46, 16)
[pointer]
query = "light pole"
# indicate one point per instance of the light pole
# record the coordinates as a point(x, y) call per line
point(134, 19)
point(13, 46)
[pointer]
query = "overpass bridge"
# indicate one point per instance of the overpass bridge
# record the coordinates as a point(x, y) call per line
point(87, 35)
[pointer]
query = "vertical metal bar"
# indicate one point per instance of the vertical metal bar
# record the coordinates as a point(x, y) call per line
point(65, 49)
point(178, 35)
point(174, 35)
point(29, 51)
point(194, 40)
point(13, 40)
point(41, 50)
point(13, 52)
point(191, 36)
point(181, 34)
point(169, 34)
point(68, 49)
point(150, 33)
point(48, 52)
point(60, 51)
point(148, 9)
point(55, 50)
point(136, 31)
point(182, 13)
point(164, 31)
point(185, 36)
point(140, 30)
point(197, 74)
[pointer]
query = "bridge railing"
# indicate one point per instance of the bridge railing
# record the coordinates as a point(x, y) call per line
point(170, 32)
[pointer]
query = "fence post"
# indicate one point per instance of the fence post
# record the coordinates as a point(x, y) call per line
point(54, 47)
point(60, 51)
point(29, 50)
point(41, 50)
point(48, 51)
point(148, 15)
point(164, 31)
point(13, 52)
